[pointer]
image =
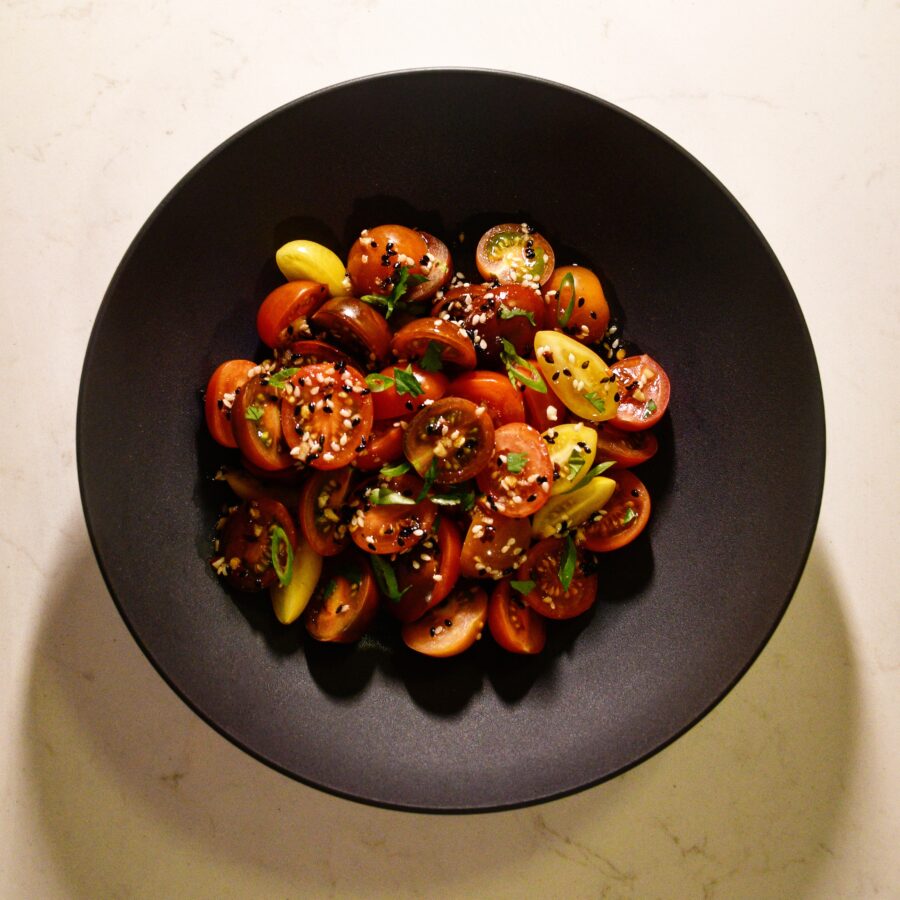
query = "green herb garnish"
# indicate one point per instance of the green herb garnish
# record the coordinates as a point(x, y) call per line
point(407, 383)
point(383, 496)
point(278, 540)
point(393, 301)
point(387, 580)
point(507, 313)
point(511, 359)
point(569, 282)
point(523, 587)
point(431, 361)
point(596, 401)
point(515, 462)
point(395, 471)
point(280, 378)
point(651, 408)
point(377, 382)
point(254, 413)
point(459, 496)
point(567, 564)
point(599, 469)
point(629, 515)
point(575, 464)
point(430, 475)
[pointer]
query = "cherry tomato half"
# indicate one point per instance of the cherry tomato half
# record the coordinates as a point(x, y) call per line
point(345, 604)
point(626, 448)
point(396, 398)
point(626, 515)
point(224, 385)
point(518, 478)
point(325, 413)
point(454, 435)
point(543, 409)
point(378, 254)
point(643, 392)
point(548, 597)
point(304, 353)
point(437, 270)
point(491, 390)
point(413, 340)
point(324, 512)
point(384, 445)
point(513, 625)
point(357, 327)
point(284, 314)
point(256, 420)
point(246, 543)
point(427, 573)
point(389, 526)
point(514, 253)
point(451, 627)
point(574, 296)
point(495, 545)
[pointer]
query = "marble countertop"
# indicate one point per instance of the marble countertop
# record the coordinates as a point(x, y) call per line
point(789, 788)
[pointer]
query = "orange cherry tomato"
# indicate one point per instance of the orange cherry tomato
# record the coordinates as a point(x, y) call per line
point(256, 421)
point(626, 515)
point(383, 446)
point(396, 399)
point(495, 545)
point(389, 526)
point(643, 392)
point(513, 625)
point(491, 390)
point(284, 314)
point(224, 386)
point(437, 271)
point(378, 255)
point(245, 543)
point(345, 604)
point(576, 304)
point(548, 596)
point(324, 513)
point(451, 627)
point(625, 448)
point(413, 340)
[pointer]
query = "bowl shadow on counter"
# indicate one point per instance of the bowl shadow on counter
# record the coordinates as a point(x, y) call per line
point(112, 787)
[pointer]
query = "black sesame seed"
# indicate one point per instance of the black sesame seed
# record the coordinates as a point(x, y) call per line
point(635, 492)
point(585, 364)
point(581, 301)
point(567, 373)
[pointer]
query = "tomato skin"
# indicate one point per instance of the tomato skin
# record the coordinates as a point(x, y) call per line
point(492, 320)
point(462, 452)
point(517, 495)
point(231, 376)
point(383, 445)
point(590, 312)
point(304, 353)
point(376, 251)
point(356, 327)
point(412, 340)
point(424, 592)
point(513, 625)
point(548, 598)
point(644, 392)
point(325, 526)
point(389, 404)
point(491, 390)
point(466, 611)
point(503, 254)
point(260, 437)
point(495, 544)
point(438, 272)
point(245, 542)
point(625, 448)
point(391, 528)
point(283, 315)
point(314, 414)
point(344, 613)
point(612, 531)
point(543, 410)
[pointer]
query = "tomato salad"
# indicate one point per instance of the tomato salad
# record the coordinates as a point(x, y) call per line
point(455, 454)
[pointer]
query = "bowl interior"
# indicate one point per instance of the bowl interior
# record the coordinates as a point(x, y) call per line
point(736, 485)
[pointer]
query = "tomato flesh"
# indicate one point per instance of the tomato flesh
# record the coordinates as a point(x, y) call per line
point(626, 515)
point(383, 445)
point(345, 605)
point(548, 597)
point(392, 527)
point(493, 391)
point(256, 420)
point(413, 340)
point(454, 436)
point(304, 353)
point(324, 514)
point(514, 625)
point(626, 448)
point(644, 392)
point(518, 479)
point(575, 296)
point(284, 315)
point(516, 253)
point(224, 385)
point(495, 545)
point(451, 627)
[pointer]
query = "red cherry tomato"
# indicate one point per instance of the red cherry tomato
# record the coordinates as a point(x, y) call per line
point(378, 254)
point(495, 545)
point(451, 627)
point(413, 340)
point(284, 314)
point(543, 409)
point(427, 573)
point(514, 253)
point(390, 526)
point(245, 543)
point(343, 608)
point(454, 435)
point(511, 312)
point(438, 270)
point(548, 597)
point(256, 420)
point(325, 414)
point(356, 327)
point(304, 353)
point(383, 446)
point(626, 515)
point(625, 448)
point(224, 384)
point(513, 625)
point(643, 392)
point(517, 480)
point(574, 296)
point(396, 399)
point(324, 513)
point(491, 390)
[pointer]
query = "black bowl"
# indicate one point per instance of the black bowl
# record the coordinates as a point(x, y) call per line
point(736, 485)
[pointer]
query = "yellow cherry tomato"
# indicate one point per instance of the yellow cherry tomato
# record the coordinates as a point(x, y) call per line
point(572, 449)
point(309, 261)
point(290, 600)
point(566, 512)
point(577, 375)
